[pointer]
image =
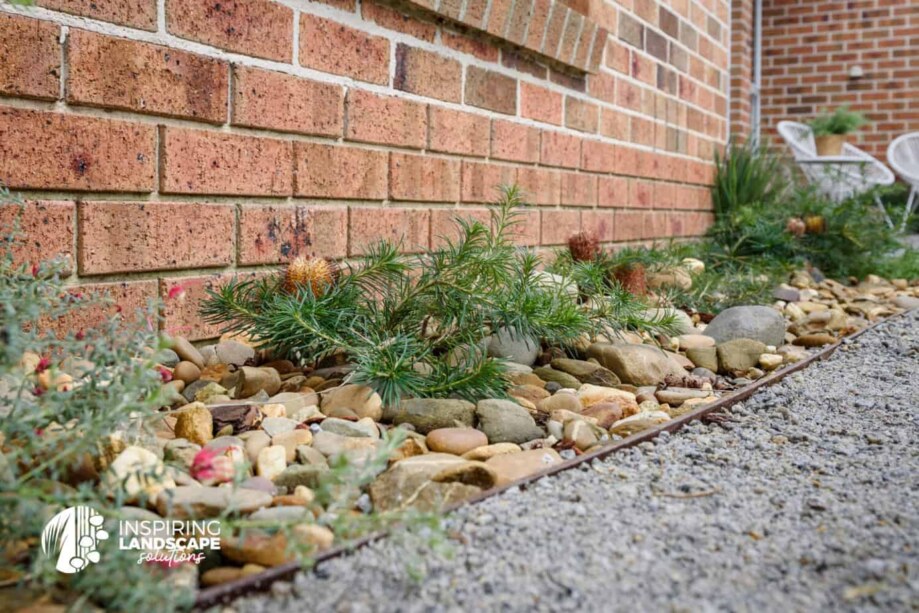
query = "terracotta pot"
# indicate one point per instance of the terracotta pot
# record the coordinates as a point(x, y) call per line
point(632, 278)
point(830, 144)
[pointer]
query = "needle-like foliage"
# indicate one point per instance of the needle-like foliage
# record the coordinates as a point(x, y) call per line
point(416, 325)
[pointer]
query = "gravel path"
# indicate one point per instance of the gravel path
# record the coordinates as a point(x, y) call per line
point(807, 500)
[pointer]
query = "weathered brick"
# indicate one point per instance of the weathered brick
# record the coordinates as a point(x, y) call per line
point(126, 298)
point(182, 299)
point(514, 141)
point(631, 30)
point(560, 149)
point(330, 46)
point(117, 73)
point(614, 124)
point(598, 156)
point(613, 191)
point(472, 46)
point(537, 28)
point(40, 150)
point(273, 100)
point(539, 185)
point(599, 223)
point(481, 181)
point(138, 236)
point(394, 20)
point(554, 28)
point(327, 171)
point(475, 13)
point(570, 37)
point(642, 194)
point(273, 234)
point(497, 17)
point(540, 104)
point(527, 228)
point(427, 74)
point(628, 225)
point(385, 120)
point(579, 189)
point(618, 56)
point(261, 28)
point(518, 21)
point(139, 14)
point(559, 225)
point(47, 229)
point(459, 132)
point(31, 58)
point(581, 115)
point(410, 227)
point(206, 162)
point(424, 178)
point(445, 226)
point(491, 90)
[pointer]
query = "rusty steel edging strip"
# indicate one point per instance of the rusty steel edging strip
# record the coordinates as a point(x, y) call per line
point(218, 594)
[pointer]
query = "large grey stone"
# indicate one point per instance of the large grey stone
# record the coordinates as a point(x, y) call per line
point(512, 346)
point(760, 323)
point(427, 414)
point(504, 421)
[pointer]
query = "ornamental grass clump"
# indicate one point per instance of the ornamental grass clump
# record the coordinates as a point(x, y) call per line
point(416, 325)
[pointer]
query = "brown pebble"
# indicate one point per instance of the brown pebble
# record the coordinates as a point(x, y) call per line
point(815, 340)
point(187, 372)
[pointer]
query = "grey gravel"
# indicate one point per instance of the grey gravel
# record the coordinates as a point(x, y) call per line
point(805, 500)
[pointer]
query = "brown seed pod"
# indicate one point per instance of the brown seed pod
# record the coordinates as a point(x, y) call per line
point(796, 226)
point(815, 224)
point(306, 271)
point(584, 246)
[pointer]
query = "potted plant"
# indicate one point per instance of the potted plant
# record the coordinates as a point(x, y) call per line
point(831, 129)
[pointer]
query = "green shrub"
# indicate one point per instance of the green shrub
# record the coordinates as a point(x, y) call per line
point(747, 175)
point(840, 121)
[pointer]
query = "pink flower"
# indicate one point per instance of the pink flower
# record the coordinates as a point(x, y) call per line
point(176, 291)
point(165, 375)
point(213, 466)
point(43, 365)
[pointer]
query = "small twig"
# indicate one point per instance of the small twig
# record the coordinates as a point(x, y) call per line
point(689, 495)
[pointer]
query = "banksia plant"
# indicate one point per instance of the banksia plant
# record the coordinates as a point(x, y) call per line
point(584, 247)
point(316, 273)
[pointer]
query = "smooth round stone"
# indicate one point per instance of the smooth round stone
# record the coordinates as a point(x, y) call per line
point(274, 426)
point(260, 484)
point(489, 451)
point(186, 371)
point(271, 461)
point(455, 440)
point(695, 341)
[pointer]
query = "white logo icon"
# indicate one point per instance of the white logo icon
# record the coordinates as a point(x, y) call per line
point(72, 535)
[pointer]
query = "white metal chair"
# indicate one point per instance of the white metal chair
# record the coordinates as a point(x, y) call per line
point(903, 155)
point(838, 177)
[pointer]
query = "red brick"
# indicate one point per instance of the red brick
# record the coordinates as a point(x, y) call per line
point(40, 150)
point(598, 223)
point(580, 115)
point(274, 234)
point(537, 27)
point(424, 178)
point(273, 100)
point(618, 56)
point(330, 46)
point(138, 236)
point(139, 14)
point(628, 225)
point(125, 299)
point(459, 132)
point(45, 228)
point(31, 58)
point(527, 228)
point(560, 150)
point(393, 20)
point(497, 17)
point(261, 28)
point(657, 224)
point(206, 162)
point(554, 28)
point(182, 300)
point(613, 191)
point(481, 181)
point(475, 13)
point(472, 46)
point(627, 161)
point(579, 189)
point(598, 156)
point(559, 226)
point(491, 90)
point(327, 171)
point(444, 223)
point(117, 73)
point(514, 141)
point(540, 104)
point(385, 120)
point(539, 185)
point(642, 194)
point(410, 227)
point(570, 38)
point(614, 124)
point(427, 74)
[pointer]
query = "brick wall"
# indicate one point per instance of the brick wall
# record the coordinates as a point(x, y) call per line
point(165, 145)
point(809, 46)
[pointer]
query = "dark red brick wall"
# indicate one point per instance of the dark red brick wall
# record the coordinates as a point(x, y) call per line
point(161, 150)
